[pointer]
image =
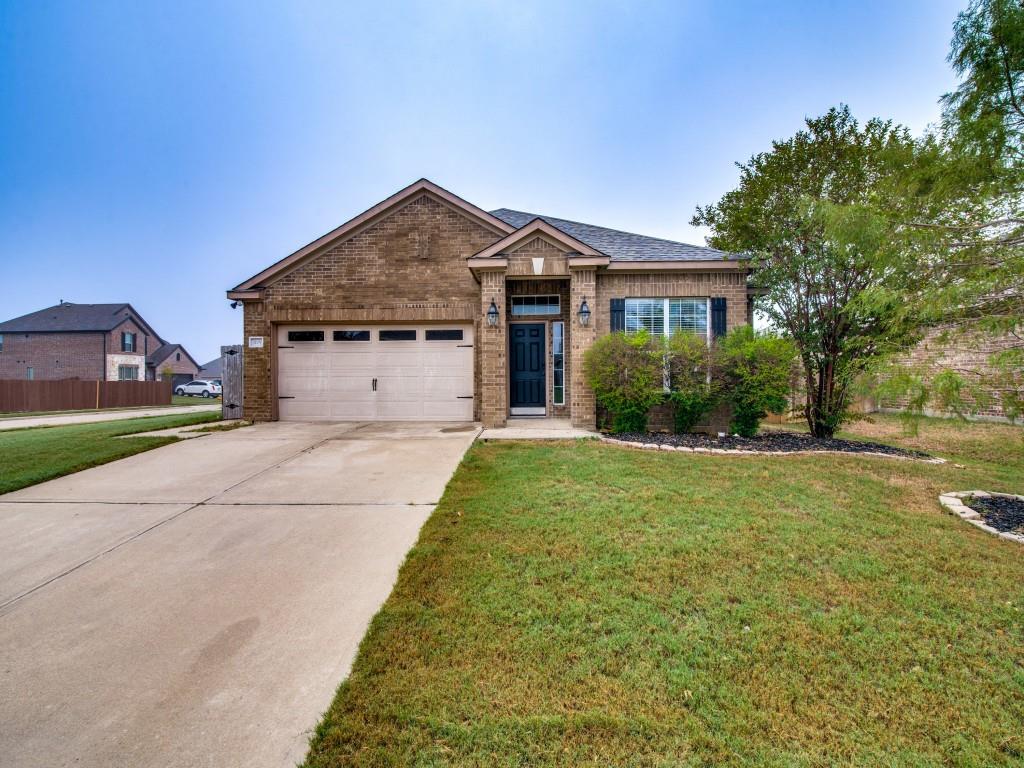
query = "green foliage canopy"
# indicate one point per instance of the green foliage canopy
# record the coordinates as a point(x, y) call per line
point(812, 214)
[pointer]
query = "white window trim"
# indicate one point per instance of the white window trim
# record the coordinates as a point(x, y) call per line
point(665, 311)
point(553, 324)
point(547, 296)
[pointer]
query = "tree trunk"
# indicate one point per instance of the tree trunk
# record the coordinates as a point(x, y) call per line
point(823, 403)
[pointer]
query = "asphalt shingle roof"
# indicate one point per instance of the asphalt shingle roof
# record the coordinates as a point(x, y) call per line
point(161, 353)
point(213, 368)
point(70, 317)
point(617, 245)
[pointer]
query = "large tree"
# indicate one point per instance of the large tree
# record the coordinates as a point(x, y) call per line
point(812, 214)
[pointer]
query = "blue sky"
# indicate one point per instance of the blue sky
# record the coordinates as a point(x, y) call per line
point(160, 153)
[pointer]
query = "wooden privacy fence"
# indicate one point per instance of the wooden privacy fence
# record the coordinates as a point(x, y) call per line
point(17, 396)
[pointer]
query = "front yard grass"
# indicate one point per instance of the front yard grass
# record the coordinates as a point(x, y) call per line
point(30, 456)
point(584, 604)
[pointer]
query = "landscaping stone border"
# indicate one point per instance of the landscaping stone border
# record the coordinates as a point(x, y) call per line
point(953, 502)
point(746, 452)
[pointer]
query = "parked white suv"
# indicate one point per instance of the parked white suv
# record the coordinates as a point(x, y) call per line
point(202, 387)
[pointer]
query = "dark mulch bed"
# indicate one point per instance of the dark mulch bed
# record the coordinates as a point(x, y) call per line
point(771, 442)
point(1001, 513)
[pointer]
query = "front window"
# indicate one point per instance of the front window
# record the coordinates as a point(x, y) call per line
point(558, 363)
point(526, 306)
point(127, 372)
point(127, 341)
point(663, 317)
point(1, 342)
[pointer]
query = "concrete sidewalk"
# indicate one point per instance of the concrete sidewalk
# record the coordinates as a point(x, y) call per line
point(114, 414)
point(198, 604)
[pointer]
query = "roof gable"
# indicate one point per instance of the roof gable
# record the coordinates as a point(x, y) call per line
point(366, 218)
point(534, 228)
point(618, 245)
point(160, 354)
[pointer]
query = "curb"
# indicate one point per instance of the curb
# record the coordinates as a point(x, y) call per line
point(743, 452)
point(953, 503)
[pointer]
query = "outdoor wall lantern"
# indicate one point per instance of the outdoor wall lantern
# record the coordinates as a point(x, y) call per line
point(492, 314)
point(584, 313)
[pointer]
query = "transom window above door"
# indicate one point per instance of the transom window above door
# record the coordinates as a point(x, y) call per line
point(666, 316)
point(527, 306)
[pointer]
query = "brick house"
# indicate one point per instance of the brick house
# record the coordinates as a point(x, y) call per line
point(172, 359)
point(427, 307)
point(106, 342)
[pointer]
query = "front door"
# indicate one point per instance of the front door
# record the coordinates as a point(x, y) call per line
point(527, 370)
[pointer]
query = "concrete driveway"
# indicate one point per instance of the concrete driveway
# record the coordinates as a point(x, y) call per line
point(198, 604)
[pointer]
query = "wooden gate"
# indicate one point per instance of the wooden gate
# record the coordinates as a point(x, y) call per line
point(232, 381)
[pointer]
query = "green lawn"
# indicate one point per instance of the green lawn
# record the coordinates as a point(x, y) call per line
point(194, 400)
point(30, 456)
point(585, 604)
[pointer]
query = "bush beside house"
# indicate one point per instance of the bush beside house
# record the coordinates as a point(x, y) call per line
point(746, 371)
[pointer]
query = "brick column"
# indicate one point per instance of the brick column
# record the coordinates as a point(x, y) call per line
point(583, 406)
point(493, 351)
point(257, 404)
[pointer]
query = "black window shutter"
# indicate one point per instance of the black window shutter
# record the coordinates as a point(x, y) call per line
point(618, 315)
point(718, 316)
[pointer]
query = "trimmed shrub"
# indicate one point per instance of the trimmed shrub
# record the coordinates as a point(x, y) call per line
point(756, 372)
point(695, 382)
point(626, 373)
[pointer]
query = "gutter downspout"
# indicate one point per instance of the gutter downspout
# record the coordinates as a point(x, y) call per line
point(103, 365)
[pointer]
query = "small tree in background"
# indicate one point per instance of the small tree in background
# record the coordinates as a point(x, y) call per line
point(166, 373)
point(626, 373)
point(968, 244)
point(756, 370)
point(695, 383)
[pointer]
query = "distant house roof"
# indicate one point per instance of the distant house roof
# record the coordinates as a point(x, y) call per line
point(163, 352)
point(213, 368)
point(67, 317)
point(617, 245)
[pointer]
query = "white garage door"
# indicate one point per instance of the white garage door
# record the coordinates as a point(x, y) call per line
point(375, 373)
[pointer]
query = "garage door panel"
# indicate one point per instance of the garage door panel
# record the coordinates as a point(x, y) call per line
point(415, 380)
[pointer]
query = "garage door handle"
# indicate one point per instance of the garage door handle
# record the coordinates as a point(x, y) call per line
point(464, 345)
point(286, 397)
point(285, 346)
point(374, 385)
point(464, 397)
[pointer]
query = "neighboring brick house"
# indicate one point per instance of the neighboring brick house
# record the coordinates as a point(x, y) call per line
point(106, 342)
point(214, 369)
point(171, 359)
point(427, 307)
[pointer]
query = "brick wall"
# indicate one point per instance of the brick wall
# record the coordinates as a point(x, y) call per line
point(683, 284)
point(968, 355)
point(182, 366)
point(52, 356)
point(492, 343)
point(582, 403)
point(520, 259)
point(409, 265)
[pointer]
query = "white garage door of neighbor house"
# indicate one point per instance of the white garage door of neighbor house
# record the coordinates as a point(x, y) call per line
point(375, 373)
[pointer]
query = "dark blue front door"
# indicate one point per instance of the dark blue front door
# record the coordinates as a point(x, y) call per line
point(526, 362)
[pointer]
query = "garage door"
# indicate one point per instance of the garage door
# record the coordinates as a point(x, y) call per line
point(375, 373)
